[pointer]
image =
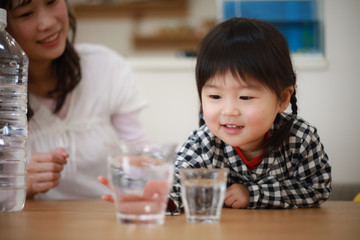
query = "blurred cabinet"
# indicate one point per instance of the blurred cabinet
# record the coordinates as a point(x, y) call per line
point(183, 42)
point(140, 11)
point(132, 9)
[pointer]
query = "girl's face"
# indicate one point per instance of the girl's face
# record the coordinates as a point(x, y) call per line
point(40, 27)
point(240, 113)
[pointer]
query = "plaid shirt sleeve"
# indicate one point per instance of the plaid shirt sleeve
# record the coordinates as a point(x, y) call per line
point(300, 175)
point(196, 152)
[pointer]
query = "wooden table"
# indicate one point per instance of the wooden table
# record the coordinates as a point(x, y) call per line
point(95, 219)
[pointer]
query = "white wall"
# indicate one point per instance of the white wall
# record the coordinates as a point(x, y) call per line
point(327, 98)
point(173, 110)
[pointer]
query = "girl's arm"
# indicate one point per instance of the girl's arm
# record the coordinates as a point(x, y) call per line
point(308, 184)
point(190, 155)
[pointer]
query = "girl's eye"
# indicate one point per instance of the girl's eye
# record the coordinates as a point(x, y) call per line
point(245, 98)
point(214, 96)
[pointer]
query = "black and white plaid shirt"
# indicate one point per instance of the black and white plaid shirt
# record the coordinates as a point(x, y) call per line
point(296, 175)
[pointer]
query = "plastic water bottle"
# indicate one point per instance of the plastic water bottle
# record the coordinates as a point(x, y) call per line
point(13, 122)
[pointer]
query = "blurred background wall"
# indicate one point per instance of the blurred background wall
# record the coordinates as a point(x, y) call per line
point(327, 92)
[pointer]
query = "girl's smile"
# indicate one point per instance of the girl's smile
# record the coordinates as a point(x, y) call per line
point(232, 128)
point(239, 113)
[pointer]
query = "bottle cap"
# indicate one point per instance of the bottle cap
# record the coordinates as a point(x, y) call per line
point(3, 16)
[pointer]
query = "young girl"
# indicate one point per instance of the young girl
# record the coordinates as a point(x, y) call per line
point(245, 82)
point(80, 96)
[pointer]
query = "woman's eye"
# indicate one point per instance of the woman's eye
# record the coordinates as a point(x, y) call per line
point(26, 14)
point(214, 96)
point(51, 2)
point(245, 98)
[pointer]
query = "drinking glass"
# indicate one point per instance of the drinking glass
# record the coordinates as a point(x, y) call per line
point(141, 176)
point(203, 193)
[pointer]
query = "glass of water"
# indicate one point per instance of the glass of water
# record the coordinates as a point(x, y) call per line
point(141, 176)
point(203, 193)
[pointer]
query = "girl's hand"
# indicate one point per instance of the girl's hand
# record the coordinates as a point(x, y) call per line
point(103, 180)
point(43, 171)
point(237, 196)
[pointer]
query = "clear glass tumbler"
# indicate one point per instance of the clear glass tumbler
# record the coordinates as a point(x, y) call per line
point(203, 192)
point(141, 176)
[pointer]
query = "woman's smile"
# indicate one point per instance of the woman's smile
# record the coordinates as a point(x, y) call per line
point(51, 40)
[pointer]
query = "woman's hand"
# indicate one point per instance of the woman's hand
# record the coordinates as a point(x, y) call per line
point(103, 180)
point(237, 196)
point(43, 171)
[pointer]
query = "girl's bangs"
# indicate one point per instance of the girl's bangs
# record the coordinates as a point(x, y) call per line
point(237, 57)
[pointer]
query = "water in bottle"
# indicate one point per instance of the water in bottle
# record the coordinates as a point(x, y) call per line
point(13, 122)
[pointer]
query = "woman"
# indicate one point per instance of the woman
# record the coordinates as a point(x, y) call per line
point(80, 96)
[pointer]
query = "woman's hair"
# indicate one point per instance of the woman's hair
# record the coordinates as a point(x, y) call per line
point(248, 48)
point(66, 68)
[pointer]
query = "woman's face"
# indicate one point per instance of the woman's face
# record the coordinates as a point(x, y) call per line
point(40, 27)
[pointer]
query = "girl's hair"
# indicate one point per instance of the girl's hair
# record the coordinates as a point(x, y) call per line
point(66, 68)
point(248, 47)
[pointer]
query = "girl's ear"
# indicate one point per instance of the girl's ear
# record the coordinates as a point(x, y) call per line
point(285, 98)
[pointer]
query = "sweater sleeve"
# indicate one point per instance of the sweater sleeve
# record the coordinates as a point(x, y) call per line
point(128, 126)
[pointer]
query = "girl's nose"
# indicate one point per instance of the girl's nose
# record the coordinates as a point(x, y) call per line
point(231, 109)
